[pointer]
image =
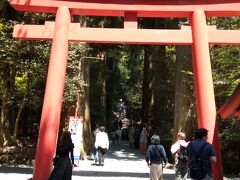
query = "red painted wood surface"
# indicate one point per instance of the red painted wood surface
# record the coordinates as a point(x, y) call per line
point(231, 107)
point(144, 8)
point(124, 36)
point(203, 85)
point(52, 103)
point(130, 20)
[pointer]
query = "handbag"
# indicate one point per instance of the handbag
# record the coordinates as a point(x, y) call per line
point(102, 150)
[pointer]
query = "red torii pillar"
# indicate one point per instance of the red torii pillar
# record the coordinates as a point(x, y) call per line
point(52, 103)
point(203, 84)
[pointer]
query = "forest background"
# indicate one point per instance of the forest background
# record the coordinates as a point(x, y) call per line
point(109, 82)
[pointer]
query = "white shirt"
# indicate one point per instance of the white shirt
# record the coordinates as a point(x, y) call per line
point(102, 140)
point(175, 147)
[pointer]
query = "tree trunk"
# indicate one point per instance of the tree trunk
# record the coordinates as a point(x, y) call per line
point(82, 103)
point(184, 99)
point(87, 133)
point(110, 88)
point(160, 95)
point(3, 132)
point(103, 96)
point(147, 88)
point(6, 89)
point(20, 109)
point(80, 99)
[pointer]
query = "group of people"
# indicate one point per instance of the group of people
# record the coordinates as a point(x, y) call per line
point(188, 155)
point(193, 159)
point(138, 139)
point(64, 159)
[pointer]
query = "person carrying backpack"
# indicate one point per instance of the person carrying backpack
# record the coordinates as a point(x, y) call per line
point(179, 149)
point(201, 155)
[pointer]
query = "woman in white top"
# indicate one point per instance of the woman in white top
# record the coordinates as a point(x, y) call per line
point(178, 149)
point(102, 139)
point(102, 143)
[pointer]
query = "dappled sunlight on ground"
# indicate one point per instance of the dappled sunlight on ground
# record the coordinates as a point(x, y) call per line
point(121, 163)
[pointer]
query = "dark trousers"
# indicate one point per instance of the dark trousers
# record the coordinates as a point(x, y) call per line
point(62, 169)
point(181, 170)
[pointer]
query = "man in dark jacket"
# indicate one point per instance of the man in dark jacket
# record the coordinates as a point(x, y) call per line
point(205, 150)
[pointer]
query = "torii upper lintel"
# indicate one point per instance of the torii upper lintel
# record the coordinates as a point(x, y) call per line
point(143, 8)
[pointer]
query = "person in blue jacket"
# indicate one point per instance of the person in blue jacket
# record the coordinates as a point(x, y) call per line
point(156, 158)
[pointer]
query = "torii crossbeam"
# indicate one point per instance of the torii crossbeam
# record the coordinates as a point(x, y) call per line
point(199, 35)
point(125, 36)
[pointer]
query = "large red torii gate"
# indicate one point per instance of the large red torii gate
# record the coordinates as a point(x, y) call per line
point(199, 35)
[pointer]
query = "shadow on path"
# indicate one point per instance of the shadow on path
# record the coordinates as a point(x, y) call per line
point(18, 170)
point(110, 174)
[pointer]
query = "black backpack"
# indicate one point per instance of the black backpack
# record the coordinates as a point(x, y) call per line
point(182, 154)
point(197, 166)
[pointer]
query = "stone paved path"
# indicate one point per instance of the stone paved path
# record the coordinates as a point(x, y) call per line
point(121, 163)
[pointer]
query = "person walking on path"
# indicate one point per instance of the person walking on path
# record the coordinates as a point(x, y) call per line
point(137, 137)
point(179, 151)
point(155, 158)
point(205, 151)
point(118, 136)
point(101, 143)
point(94, 155)
point(62, 163)
point(131, 137)
point(143, 141)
